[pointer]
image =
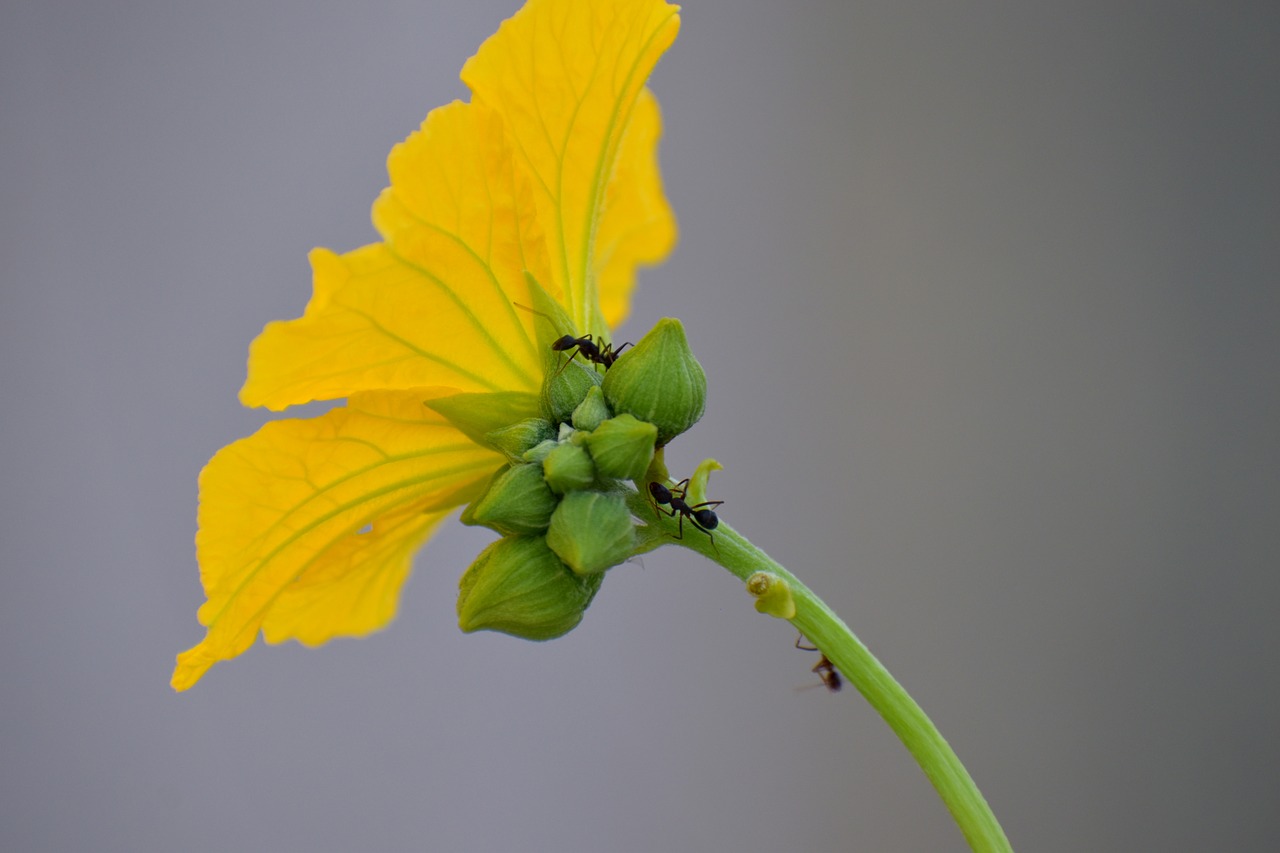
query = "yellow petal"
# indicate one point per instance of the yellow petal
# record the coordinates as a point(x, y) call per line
point(281, 513)
point(434, 304)
point(638, 227)
point(565, 76)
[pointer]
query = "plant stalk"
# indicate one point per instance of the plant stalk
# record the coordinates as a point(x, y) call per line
point(855, 662)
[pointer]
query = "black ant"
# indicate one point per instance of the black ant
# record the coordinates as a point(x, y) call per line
point(702, 515)
point(825, 669)
point(585, 346)
point(589, 349)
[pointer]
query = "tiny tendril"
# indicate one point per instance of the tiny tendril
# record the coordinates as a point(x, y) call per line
point(830, 634)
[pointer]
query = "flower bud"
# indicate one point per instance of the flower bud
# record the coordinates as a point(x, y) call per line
point(592, 411)
point(659, 381)
point(592, 531)
point(564, 389)
point(518, 586)
point(478, 415)
point(622, 447)
point(516, 439)
point(517, 502)
point(568, 467)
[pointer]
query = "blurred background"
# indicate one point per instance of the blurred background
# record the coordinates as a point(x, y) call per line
point(988, 295)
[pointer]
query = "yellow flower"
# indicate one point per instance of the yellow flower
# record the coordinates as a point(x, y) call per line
point(307, 528)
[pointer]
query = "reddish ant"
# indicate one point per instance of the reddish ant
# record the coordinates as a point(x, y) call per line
point(825, 669)
point(701, 516)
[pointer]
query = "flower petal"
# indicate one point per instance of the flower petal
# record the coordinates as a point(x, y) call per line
point(565, 75)
point(638, 227)
point(434, 304)
point(281, 513)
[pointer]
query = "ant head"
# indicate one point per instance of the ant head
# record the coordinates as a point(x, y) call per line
point(706, 518)
point(660, 493)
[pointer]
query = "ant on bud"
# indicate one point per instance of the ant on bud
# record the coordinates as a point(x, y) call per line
point(701, 516)
point(589, 349)
point(586, 346)
point(824, 668)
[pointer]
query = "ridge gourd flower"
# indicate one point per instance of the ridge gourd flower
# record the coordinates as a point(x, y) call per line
point(510, 232)
point(542, 190)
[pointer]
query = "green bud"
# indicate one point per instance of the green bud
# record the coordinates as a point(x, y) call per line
point(622, 447)
point(568, 467)
point(517, 502)
point(516, 439)
point(518, 586)
point(592, 411)
point(592, 531)
point(772, 594)
point(564, 389)
point(477, 415)
point(659, 381)
point(540, 451)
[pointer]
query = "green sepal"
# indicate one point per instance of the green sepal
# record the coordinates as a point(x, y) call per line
point(555, 323)
point(517, 439)
point(697, 491)
point(517, 502)
point(518, 586)
point(568, 467)
point(622, 447)
point(592, 411)
point(659, 381)
point(540, 451)
point(592, 531)
point(477, 415)
point(564, 388)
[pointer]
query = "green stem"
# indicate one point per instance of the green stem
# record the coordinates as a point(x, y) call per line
point(829, 633)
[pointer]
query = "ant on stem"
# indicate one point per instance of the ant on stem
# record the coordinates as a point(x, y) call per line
point(825, 669)
point(701, 516)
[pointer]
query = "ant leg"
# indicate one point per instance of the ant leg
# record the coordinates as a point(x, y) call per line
point(707, 505)
point(805, 648)
point(571, 357)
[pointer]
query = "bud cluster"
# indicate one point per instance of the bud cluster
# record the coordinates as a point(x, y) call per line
point(560, 500)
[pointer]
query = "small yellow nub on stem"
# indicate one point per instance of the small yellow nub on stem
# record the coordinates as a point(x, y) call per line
point(772, 594)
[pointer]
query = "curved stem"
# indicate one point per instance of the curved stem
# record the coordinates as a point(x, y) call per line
point(829, 633)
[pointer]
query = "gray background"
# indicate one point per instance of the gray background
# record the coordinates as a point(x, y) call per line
point(988, 296)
